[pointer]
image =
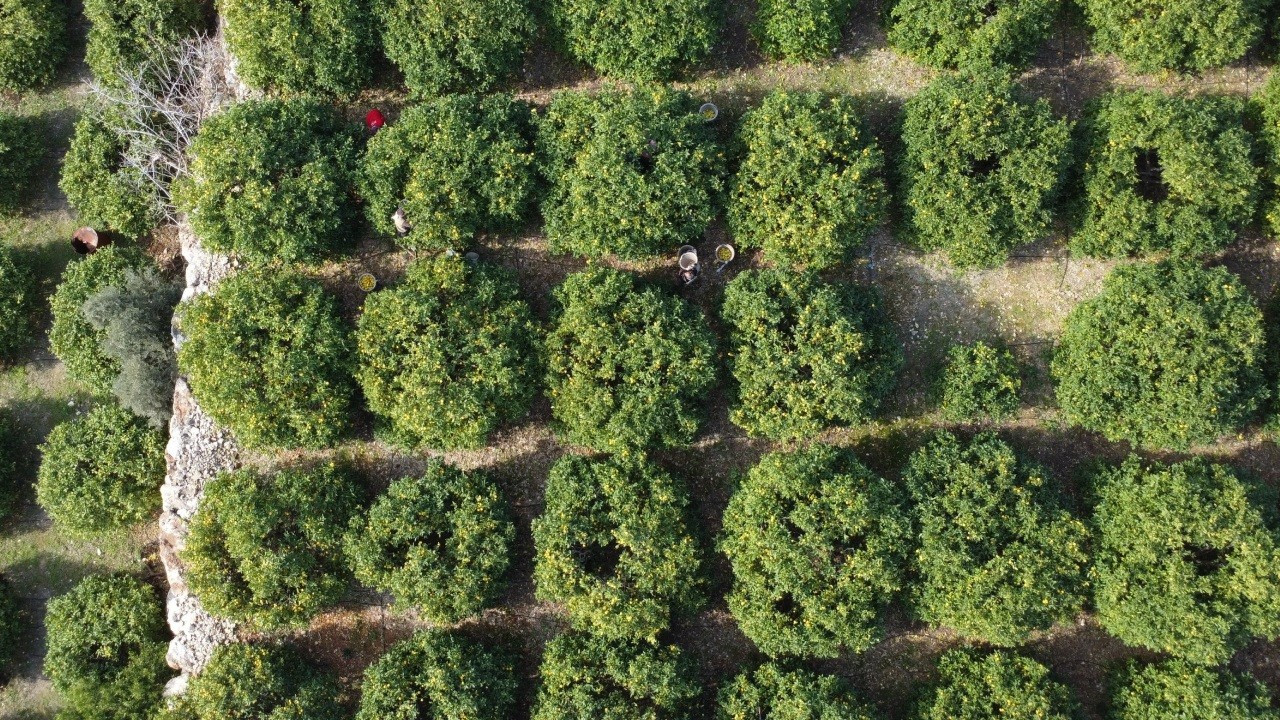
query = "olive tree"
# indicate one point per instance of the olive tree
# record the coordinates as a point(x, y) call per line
point(806, 355)
point(818, 546)
point(999, 558)
point(266, 550)
point(1168, 355)
point(981, 169)
point(627, 366)
point(586, 676)
point(614, 546)
point(1186, 563)
point(809, 189)
point(438, 542)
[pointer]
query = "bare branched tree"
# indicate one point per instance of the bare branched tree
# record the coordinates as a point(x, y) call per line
point(158, 107)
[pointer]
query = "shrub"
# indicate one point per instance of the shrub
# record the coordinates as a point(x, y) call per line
point(12, 485)
point(800, 31)
point(122, 35)
point(105, 192)
point(1267, 109)
point(267, 550)
point(33, 44)
point(439, 542)
point(460, 46)
point(20, 153)
point(449, 354)
point(457, 166)
point(998, 557)
point(269, 358)
point(613, 545)
point(773, 691)
point(271, 180)
point(981, 167)
point(1175, 690)
point(253, 682)
point(71, 336)
point(645, 40)
point(980, 382)
point(627, 366)
point(817, 544)
point(106, 648)
point(1183, 35)
point(1168, 355)
point(586, 676)
point(437, 675)
point(1165, 172)
point(631, 174)
point(301, 46)
point(996, 685)
point(809, 190)
point(1186, 564)
point(136, 318)
point(11, 625)
point(101, 471)
point(17, 304)
point(806, 355)
point(971, 33)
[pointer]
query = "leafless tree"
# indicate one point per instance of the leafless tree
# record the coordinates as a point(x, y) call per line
point(159, 106)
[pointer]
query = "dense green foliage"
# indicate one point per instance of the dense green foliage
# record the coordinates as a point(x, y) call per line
point(1175, 690)
point(1183, 35)
point(994, 686)
point(272, 180)
point(106, 193)
point(101, 471)
point(1168, 355)
point(106, 649)
point(982, 167)
point(124, 33)
point(778, 693)
point(71, 336)
point(267, 550)
point(439, 542)
point(457, 166)
point(806, 355)
point(818, 546)
point(21, 148)
point(456, 45)
point(1267, 105)
point(980, 382)
point(627, 366)
point(438, 675)
point(11, 625)
point(17, 304)
point(1186, 564)
point(449, 354)
point(969, 33)
point(586, 676)
point(613, 545)
point(800, 30)
point(637, 39)
point(301, 45)
point(1165, 172)
point(13, 485)
point(255, 682)
point(809, 190)
point(998, 557)
point(136, 317)
point(33, 43)
point(631, 173)
point(269, 358)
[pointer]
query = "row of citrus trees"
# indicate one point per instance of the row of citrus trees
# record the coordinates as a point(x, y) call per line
point(1178, 559)
point(334, 45)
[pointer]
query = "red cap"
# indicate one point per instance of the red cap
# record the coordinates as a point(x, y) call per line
point(374, 120)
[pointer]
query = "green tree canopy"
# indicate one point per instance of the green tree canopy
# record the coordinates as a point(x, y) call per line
point(1168, 355)
point(637, 40)
point(124, 33)
point(34, 43)
point(438, 675)
point(21, 147)
point(106, 193)
point(980, 382)
point(1176, 690)
point(614, 546)
point(818, 546)
point(17, 304)
point(1186, 564)
point(806, 355)
point(777, 692)
point(1182, 35)
point(456, 46)
point(810, 188)
point(257, 682)
point(586, 676)
point(301, 46)
point(971, 33)
point(994, 686)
